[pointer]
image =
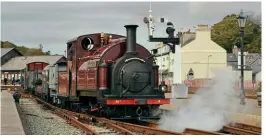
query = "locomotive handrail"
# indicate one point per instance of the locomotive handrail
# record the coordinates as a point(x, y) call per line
point(88, 57)
point(100, 49)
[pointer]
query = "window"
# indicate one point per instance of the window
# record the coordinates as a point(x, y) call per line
point(70, 51)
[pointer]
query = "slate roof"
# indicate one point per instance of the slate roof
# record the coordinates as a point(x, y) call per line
point(5, 51)
point(231, 57)
point(253, 62)
point(256, 69)
point(18, 63)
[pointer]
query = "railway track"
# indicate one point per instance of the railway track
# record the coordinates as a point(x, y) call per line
point(94, 125)
point(142, 129)
point(91, 128)
point(102, 126)
point(238, 131)
point(233, 128)
point(187, 131)
point(246, 127)
point(137, 129)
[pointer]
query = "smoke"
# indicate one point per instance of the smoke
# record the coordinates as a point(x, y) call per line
point(208, 108)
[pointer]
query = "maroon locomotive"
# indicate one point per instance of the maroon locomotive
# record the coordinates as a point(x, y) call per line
point(106, 73)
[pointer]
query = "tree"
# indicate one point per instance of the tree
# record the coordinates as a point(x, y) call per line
point(226, 33)
point(48, 53)
point(34, 52)
point(25, 50)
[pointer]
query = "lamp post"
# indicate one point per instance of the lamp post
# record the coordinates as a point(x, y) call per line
point(242, 22)
point(208, 66)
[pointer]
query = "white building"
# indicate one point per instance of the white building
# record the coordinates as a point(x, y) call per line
point(252, 62)
point(199, 55)
point(164, 59)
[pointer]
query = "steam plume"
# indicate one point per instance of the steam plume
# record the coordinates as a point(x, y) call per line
point(207, 110)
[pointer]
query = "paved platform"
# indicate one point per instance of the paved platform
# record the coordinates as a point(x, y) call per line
point(248, 114)
point(10, 120)
point(10, 87)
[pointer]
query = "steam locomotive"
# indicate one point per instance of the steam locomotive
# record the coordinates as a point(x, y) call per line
point(107, 74)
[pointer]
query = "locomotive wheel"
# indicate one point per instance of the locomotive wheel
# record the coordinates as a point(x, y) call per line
point(101, 113)
point(68, 105)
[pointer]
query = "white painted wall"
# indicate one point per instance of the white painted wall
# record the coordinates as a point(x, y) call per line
point(177, 67)
point(258, 76)
point(247, 75)
point(202, 55)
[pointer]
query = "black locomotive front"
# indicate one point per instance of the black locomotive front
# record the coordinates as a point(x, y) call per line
point(133, 91)
point(133, 76)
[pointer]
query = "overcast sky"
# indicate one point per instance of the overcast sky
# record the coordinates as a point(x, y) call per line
point(53, 23)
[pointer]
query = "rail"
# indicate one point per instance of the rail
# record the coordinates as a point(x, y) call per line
point(70, 119)
point(187, 131)
point(83, 121)
point(82, 124)
point(191, 131)
point(132, 127)
point(233, 128)
point(246, 127)
point(238, 131)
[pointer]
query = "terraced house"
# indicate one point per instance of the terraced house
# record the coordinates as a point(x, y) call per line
point(199, 55)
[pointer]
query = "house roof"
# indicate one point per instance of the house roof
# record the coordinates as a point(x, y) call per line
point(18, 63)
point(252, 58)
point(4, 51)
point(256, 69)
point(253, 62)
point(231, 57)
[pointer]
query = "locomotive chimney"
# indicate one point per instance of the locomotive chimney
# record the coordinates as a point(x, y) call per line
point(131, 38)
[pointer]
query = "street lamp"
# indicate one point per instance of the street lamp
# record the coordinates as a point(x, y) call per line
point(241, 23)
